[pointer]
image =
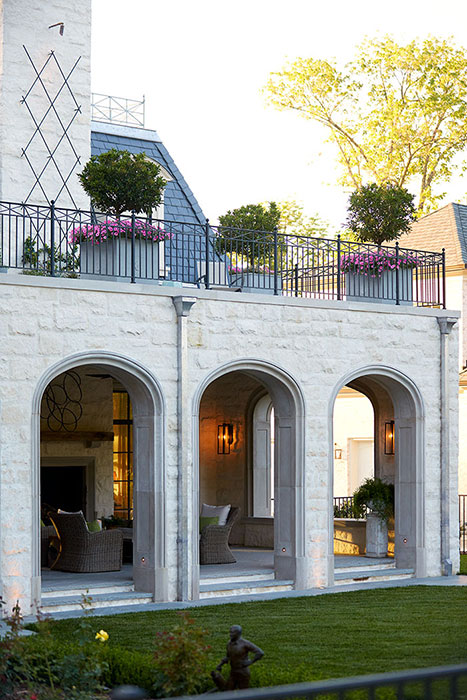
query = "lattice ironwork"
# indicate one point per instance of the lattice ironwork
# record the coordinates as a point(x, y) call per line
point(64, 122)
point(117, 110)
point(62, 399)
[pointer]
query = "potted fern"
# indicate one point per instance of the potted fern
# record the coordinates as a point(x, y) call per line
point(377, 496)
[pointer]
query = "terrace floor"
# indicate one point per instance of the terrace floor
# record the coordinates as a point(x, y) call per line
point(249, 562)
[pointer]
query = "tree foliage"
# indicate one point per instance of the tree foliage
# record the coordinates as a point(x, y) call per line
point(119, 181)
point(251, 219)
point(249, 230)
point(294, 222)
point(379, 213)
point(396, 113)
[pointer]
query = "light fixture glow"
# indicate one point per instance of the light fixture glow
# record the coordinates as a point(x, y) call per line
point(224, 438)
point(389, 441)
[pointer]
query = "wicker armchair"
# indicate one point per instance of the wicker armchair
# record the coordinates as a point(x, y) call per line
point(82, 551)
point(47, 531)
point(214, 541)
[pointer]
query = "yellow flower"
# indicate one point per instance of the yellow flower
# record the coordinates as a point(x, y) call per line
point(102, 636)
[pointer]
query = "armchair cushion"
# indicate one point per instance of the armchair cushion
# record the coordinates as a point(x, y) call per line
point(222, 512)
point(206, 520)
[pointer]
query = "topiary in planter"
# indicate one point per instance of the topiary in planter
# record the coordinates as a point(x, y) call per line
point(377, 495)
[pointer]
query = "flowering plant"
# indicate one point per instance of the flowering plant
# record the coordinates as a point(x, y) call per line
point(374, 264)
point(98, 233)
point(257, 268)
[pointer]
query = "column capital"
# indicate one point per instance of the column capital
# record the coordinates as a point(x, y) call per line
point(183, 305)
point(446, 324)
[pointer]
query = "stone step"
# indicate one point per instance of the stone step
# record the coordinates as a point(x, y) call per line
point(237, 578)
point(56, 591)
point(359, 576)
point(257, 586)
point(66, 603)
point(364, 568)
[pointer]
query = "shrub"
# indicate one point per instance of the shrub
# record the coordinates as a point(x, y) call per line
point(253, 220)
point(181, 658)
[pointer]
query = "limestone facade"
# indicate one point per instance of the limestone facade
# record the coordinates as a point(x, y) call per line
point(25, 24)
point(301, 351)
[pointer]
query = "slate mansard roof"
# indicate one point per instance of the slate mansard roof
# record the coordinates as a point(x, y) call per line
point(445, 228)
point(179, 202)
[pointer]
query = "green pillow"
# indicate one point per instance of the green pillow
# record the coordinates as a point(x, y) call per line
point(94, 526)
point(204, 520)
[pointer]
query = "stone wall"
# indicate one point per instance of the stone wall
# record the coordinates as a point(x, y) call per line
point(27, 22)
point(316, 343)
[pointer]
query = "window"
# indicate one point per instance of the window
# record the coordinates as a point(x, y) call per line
point(123, 455)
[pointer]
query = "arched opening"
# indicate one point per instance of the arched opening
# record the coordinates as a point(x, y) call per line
point(398, 454)
point(98, 448)
point(261, 474)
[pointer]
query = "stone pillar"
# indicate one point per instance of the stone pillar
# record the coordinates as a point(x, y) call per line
point(31, 46)
point(445, 327)
point(187, 588)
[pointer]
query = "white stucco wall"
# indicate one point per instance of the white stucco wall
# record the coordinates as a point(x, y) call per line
point(26, 22)
point(317, 343)
point(353, 421)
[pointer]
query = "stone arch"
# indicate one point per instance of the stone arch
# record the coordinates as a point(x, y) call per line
point(392, 391)
point(289, 405)
point(149, 558)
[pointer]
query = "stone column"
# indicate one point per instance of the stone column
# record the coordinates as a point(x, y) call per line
point(185, 462)
point(445, 327)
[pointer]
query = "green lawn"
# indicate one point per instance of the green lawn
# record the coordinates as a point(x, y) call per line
point(342, 634)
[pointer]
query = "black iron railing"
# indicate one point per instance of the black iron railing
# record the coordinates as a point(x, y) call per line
point(439, 683)
point(344, 508)
point(49, 240)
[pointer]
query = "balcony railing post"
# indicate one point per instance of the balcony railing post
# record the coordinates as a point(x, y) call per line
point(296, 278)
point(276, 285)
point(52, 238)
point(207, 281)
point(339, 294)
point(443, 272)
point(397, 275)
point(133, 246)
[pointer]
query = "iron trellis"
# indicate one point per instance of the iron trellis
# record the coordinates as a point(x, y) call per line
point(39, 122)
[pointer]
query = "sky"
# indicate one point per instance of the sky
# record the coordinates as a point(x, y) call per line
point(201, 65)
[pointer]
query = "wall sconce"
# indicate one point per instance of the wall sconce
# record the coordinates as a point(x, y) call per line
point(224, 438)
point(389, 438)
point(337, 451)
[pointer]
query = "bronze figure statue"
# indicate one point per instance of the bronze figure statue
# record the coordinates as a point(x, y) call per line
point(238, 650)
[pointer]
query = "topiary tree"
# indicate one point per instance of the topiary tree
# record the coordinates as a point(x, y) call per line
point(252, 219)
point(379, 213)
point(119, 181)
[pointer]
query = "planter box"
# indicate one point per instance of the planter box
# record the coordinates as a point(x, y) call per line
point(257, 282)
point(111, 260)
point(376, 536)
point(382, 290)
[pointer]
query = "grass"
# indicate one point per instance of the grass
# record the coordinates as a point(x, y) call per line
point(343, 634)
point(463, 566)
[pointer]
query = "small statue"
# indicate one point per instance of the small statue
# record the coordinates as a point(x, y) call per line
point(237, 655)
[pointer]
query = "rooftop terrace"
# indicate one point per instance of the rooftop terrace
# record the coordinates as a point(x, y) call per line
point(57, 242)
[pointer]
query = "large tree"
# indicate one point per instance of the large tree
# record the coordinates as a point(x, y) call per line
point(396, 113)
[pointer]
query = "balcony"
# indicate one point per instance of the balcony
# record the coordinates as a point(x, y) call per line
point(56, 242)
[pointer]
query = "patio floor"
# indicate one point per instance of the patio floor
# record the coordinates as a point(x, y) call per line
point(249, 562)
